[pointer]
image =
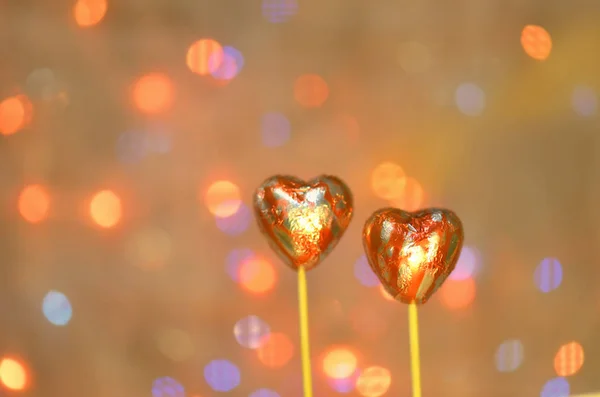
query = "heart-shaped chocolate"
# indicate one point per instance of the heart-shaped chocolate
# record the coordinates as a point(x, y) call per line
point(413, 253)
point(303, 221)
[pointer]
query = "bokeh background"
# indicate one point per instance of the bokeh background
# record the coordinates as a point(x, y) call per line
point(134, 133)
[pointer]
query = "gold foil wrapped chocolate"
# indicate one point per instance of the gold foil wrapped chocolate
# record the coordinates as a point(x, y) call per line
point(413, 253)
point(303, 221)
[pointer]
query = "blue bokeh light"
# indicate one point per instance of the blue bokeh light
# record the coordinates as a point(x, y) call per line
point(276, 129)
point(364, 274)
point(343, 385)
point(584, 101)
point(509, 355)
point(167, 387)
point(251, 331)
point(237, 223)
point(236, 55)
point(470, 99)
point(222, 375)
point(467, 264)
point(548, 275)
point(57, 308)
point(557, 387)
point(234, 259)
point(279, 11)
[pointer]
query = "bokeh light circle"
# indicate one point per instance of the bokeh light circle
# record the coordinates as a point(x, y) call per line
point(569, 359)
point(234, 260)
point(536, 42)
point(364, 273)
point(311, 90)
point(89, 12)
point(467, 264)
point(339, 363)
point(275, 129)
point(279, 11)
point(557, 387)
point(42, 84)
point(236, 55)
point(470, 99)
point(223, 199)
point(374, 382)
point(34, 203)
point(276, 350)
point(343, 385)
point(222, 375)
point(204, 56)
point(167, 387)
point(237, 223)
point(13, 115)
point(251, 331)
point(13, 374)
point(412, 196)
point(457, 294)
point(57, 308)
point(509, 355)
point(257, 275)
point(388, 180)
point(106, 209)
point(584, 101)
point(548, 275)
point(153, 93)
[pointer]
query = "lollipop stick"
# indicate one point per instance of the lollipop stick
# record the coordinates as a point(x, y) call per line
point(304, 340)
point(415, 365)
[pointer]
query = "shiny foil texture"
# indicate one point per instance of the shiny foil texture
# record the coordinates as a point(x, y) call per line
point(303, 221)
point(413, 253)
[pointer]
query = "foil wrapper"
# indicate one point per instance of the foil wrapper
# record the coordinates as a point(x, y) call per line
point(413, 253)
point(303, 221)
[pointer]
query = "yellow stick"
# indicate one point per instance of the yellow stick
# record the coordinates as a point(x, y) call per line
point(415, 361)
point(304, 340)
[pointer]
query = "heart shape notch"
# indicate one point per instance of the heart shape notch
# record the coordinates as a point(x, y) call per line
point(303, 221)
point(413, 253)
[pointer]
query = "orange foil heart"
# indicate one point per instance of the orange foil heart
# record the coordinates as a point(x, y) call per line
point(303, 221)
point(413, 253)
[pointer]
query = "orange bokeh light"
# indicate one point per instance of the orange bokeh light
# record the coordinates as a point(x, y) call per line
point(257, 275)
point(204, 56)
point(568, 359)
point(34, 203)
point(153, 93)
point(89, 12)
point(374, 382)
point(105, 209)
point(457, 294)
point(276, 350)
point(339, 363)
point(15, 113)
point(412, 196)
point(536, 42)
point(388, 181)
point(223, 199)
point(310, 90)
point(13, 374)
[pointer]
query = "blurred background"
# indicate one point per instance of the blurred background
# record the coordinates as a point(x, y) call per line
point(133, 134)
